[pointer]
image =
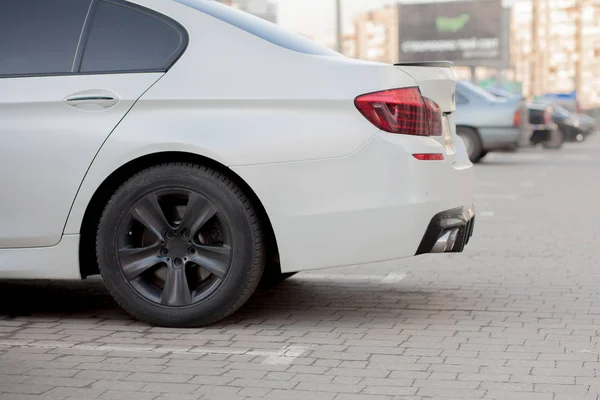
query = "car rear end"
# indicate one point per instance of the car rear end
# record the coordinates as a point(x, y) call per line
point(351, 160)
point(420, 121)
point(406, 189)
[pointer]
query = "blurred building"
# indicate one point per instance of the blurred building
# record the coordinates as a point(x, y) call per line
point(556, 48)
point(264, 9)
point(376, 35)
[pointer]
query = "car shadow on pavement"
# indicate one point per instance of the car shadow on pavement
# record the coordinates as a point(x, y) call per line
point(328, 301)
point(295, 301)
point(45, 299)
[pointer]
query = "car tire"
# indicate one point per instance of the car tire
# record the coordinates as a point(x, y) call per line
point(472, 142)
point(224, 261)
point(556, 141)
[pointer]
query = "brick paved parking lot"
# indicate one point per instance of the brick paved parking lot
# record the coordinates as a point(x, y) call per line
point(515, 317)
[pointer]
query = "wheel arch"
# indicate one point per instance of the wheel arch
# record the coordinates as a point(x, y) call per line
point(478, 137)
point(87, 252)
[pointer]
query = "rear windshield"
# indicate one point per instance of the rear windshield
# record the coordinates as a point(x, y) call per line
point(560, 110)
point(503, 94)
point(259, 27)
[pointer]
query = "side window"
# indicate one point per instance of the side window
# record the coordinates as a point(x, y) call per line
point(40, 37)
point(125, 38)
point(461, 99)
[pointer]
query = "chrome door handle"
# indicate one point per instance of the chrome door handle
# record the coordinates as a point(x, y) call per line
point(92, 100)
point(76, 99)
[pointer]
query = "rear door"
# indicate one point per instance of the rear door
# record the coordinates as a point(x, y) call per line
point(70, 70)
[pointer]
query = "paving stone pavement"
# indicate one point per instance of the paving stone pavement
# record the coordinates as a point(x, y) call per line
point(514, 317)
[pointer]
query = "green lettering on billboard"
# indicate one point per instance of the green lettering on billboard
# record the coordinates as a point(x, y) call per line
point(444, 24)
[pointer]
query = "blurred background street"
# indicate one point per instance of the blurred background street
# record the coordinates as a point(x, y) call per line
point(514, 317)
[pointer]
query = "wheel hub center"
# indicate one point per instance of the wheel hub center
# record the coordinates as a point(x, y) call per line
point(177, 247)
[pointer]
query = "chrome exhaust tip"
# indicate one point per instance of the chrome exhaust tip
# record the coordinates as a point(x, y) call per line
point(453, 237)
point(446, 241)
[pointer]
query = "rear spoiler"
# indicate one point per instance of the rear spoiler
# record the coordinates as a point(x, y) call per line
point(439, 64)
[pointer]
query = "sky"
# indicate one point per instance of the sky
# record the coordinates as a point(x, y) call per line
point(317, 17)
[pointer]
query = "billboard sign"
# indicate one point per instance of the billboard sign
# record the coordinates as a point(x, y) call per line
point(471, 32)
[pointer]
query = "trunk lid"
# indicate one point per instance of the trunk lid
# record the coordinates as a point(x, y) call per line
point(436, 81)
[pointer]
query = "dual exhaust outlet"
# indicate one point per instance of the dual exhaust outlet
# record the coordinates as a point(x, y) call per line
point(448, 231)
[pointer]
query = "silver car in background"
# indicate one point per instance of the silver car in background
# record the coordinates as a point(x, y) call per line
point(487, 123)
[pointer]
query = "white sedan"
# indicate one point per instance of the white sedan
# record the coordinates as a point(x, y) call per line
point(184, 150)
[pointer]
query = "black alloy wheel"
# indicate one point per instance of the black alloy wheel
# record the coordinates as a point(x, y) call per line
point(180, 245)
point(174, 247)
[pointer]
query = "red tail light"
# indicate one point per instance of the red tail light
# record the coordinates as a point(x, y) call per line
point(517, 119)
point(434, 115)
point(402, 111)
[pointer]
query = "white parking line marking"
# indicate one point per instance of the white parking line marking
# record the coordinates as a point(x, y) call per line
point(387, 279)
point(393, 278)
point(487, 213)
point(285, 355)
point(527, 184)
point(340, 277)
point(577, 157)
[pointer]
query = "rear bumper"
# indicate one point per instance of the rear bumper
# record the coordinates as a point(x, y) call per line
point(373, 205)
point(448, 231)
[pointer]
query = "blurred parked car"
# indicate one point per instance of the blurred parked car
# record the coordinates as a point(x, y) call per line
point(488, 123)
point(573, 127)
point(545, 130)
